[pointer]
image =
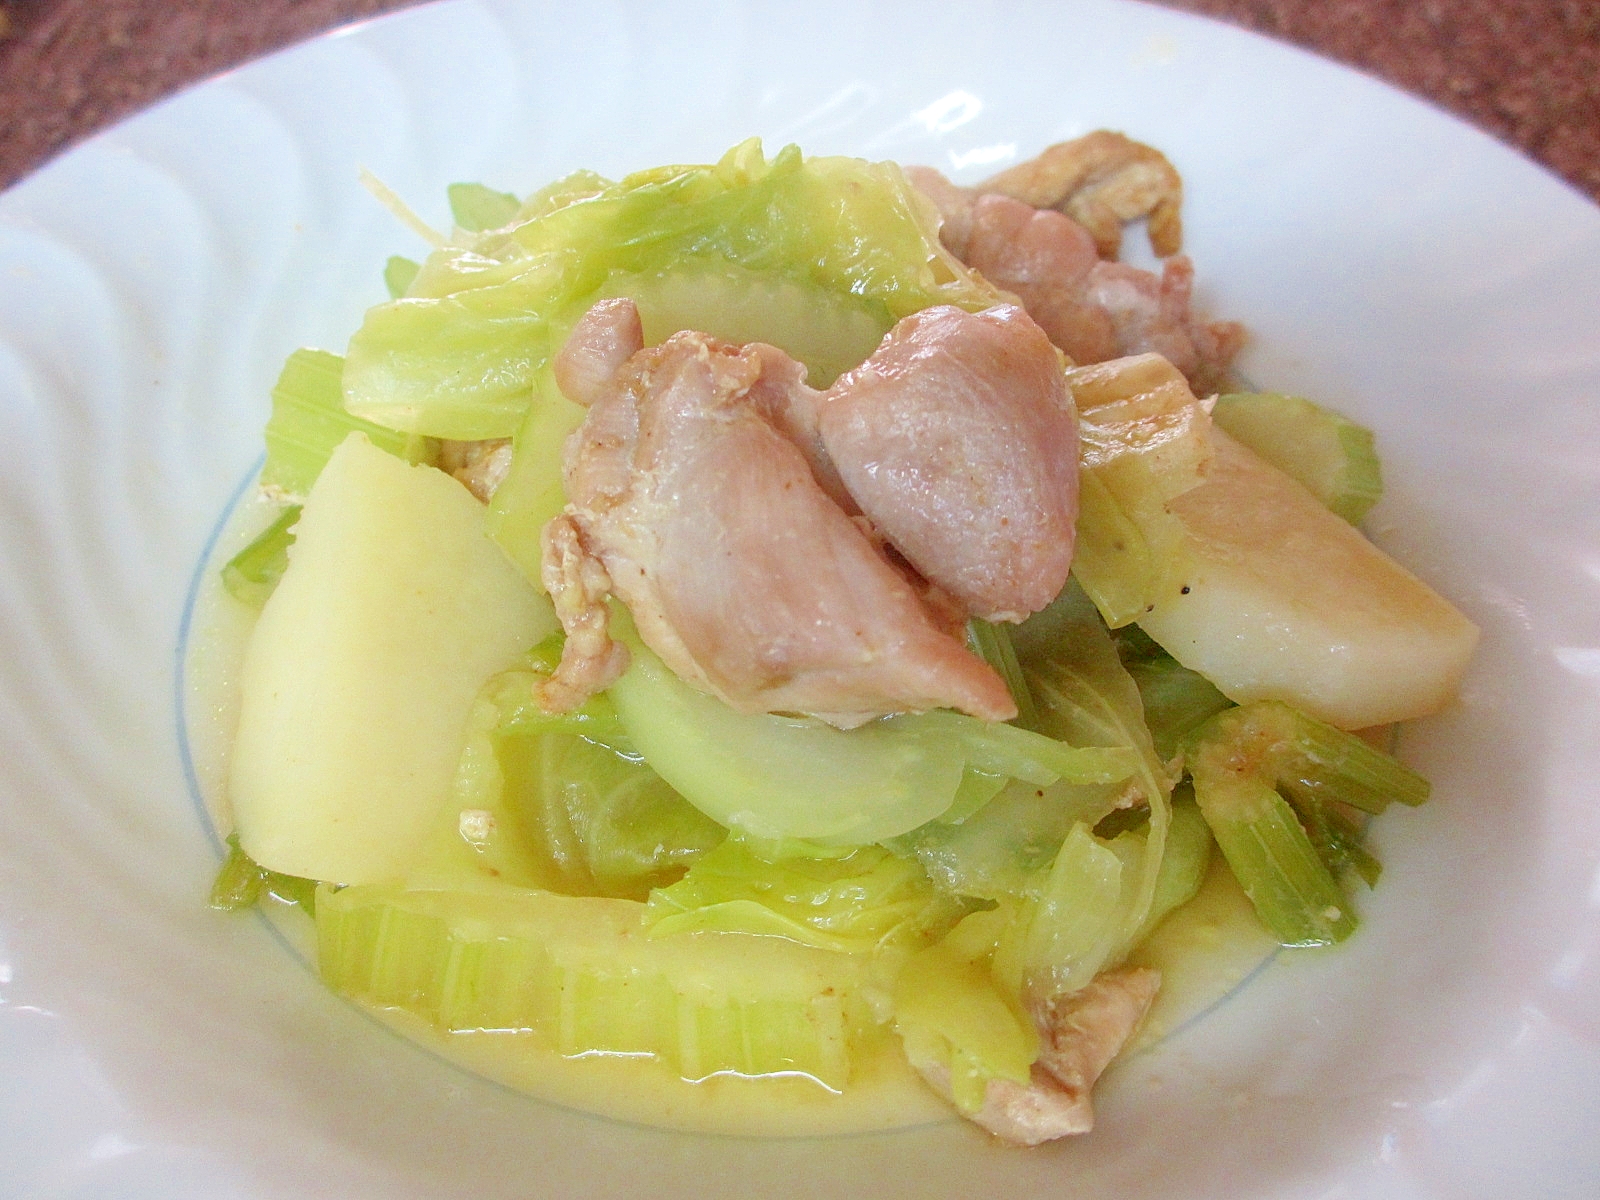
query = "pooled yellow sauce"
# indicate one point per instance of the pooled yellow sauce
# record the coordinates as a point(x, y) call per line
point(1203, 951)
point(884, 1092)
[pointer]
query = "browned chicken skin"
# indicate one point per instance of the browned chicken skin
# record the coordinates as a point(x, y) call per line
point(1102, 181)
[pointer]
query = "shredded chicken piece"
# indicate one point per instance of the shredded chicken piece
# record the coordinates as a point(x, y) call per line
point(578, 585)
point(1102, 181)
point(482, 466)
point(739, 570)
point(1085, 1030)
point(1081, 1032)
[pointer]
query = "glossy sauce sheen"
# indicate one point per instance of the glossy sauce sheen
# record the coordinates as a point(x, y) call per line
point(1203, 952)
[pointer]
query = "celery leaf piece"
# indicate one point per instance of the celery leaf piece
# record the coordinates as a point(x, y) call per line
point(997, 851)
point(475, 207)
point(241, 882)
point(607, 823)
point(1177, 701)
point(309, 422)
point(398, 274)
point(1184, 865)
point(559, 800)
point(992, 643)
point(1076, 921)
point(251, 574)
point(1087, 697)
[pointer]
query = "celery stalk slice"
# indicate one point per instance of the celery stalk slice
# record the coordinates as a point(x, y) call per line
point(1286, 863)
point(532, 491)
point(309, 421)
point(950, 1013)
point(772, 776)
point(251, 574)
point(1113, 562)
point(239, 882)
point(1335, 459)
point(1334, 765)
point(1336, 838)
point(1315, 758)
point(1293, 893)
point(576, 972)
point(1031, 757)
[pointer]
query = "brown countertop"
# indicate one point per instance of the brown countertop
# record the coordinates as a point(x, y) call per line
point(1527, 71)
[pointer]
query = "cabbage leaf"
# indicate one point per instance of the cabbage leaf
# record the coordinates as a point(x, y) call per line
point(460, 355)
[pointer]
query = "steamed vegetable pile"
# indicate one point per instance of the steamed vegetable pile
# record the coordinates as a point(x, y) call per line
point(655, 873)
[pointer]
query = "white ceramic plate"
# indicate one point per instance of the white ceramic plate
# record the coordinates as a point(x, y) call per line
point(1388, 260)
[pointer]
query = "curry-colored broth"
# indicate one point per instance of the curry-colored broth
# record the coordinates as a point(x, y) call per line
point(1203, 952)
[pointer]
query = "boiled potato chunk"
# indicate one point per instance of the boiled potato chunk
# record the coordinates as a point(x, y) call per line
point(357, 682)
point(1275, 597)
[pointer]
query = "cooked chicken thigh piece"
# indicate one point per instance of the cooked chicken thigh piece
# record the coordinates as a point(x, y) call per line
point(1154, 316)
point(738, 569)
point(1102, 181)
point(481, 466)
point(954, 203)
point(609, 334)
point(782, 397)
point(579, 587)
point(1092, 308)
point(958, 439)
point(1046, 260)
